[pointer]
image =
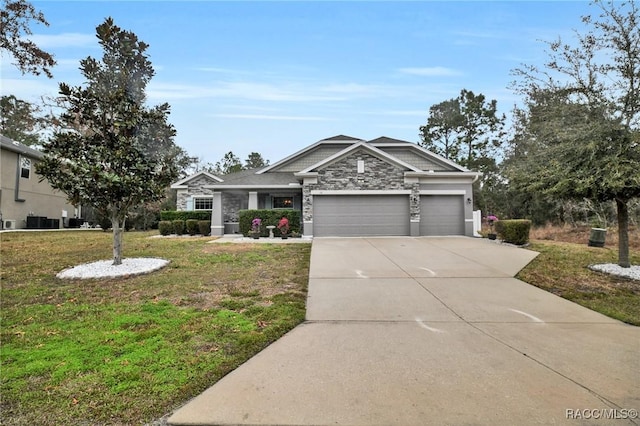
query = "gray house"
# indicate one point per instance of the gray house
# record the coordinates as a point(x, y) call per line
point(345, 186)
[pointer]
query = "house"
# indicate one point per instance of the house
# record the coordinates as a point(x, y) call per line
point(345, 186)
point(25, 201)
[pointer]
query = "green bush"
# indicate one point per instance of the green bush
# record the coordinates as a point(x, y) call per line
point(185, 215)
point(178, 227)
point(269, 217)
point(192, 226)
point(165, 227)
point(205, 227)
point(514, 231)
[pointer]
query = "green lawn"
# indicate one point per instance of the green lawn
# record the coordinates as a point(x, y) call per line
point(562, 269)
point(128, 351)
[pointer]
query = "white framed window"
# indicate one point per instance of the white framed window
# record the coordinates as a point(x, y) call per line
point(25, 167)
point(282, 202)
point(203, 203)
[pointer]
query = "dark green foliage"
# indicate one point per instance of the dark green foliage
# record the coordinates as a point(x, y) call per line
point(269, 217)
point(192, 226)
point(178, 227)
point(204, 226)
point(185, 215)
point(165, 227)
point(514, 231)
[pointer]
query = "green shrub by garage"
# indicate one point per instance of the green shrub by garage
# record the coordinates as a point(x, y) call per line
point(269, 217)
point(192, 226)
point(178, 226)
point(204, 226)
point(185, 215)
point(514, 231)
point(165, 227)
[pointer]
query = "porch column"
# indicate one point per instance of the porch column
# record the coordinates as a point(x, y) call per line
point(217, 222)
point(253, 200)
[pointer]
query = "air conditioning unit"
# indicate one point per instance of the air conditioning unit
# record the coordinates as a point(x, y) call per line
point(8, 224)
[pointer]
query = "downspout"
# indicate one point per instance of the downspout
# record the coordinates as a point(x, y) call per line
point(17, 188)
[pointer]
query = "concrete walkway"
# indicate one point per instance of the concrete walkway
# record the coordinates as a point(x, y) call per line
point(414, 331)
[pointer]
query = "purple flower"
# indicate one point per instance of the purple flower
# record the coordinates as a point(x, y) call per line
point(491, 218)
point(255, 224)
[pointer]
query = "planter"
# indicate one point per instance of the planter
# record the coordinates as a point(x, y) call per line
point(254, 235)
point(492, 236)
point(284, 237)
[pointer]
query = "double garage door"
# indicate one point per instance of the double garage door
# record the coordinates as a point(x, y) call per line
point(385, 215)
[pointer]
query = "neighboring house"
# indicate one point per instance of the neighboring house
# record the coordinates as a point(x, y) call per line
point(345, 186)
point(25, 201)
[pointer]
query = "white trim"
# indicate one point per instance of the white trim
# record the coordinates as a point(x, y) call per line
point(288, 186)
point(360, 192)
point(468, 220)
point(181, 183)
point(443, 192)
point(217, 227)
point(414, 220)
point(202, 196)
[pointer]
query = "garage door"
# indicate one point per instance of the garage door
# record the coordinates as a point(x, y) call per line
point(441, 215)
point(360, 215)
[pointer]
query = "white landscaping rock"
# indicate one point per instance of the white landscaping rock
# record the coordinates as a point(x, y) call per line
point(611, 268)
point(105, 268)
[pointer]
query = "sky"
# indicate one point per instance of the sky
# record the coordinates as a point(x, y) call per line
point(275, 77)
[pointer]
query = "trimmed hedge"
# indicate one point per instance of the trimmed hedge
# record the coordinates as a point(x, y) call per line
point(192, 226)
point(165, 227)
point(178, 226)
point(204, 226)
point(514, 231)
point(185, 215)
point(269, 217)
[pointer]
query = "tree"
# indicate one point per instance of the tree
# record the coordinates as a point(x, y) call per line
point(469, 131)
point(230, 163)
point(584, 115)
point(255, 161)
point(15, 18)
point(20, 120)
point(114, 153)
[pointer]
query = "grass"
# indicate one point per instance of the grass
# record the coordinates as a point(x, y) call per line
point(562, 269)
point(128, 351)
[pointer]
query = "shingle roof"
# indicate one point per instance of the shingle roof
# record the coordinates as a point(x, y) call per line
point(11, 145)
point(384, 139)
point(341, 138)
point(249, 178)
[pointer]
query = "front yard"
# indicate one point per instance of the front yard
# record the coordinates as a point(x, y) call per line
point(128, 351)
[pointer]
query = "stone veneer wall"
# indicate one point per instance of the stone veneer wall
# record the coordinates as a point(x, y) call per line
point(231, 203)
point(378, 175)
point(195, 187)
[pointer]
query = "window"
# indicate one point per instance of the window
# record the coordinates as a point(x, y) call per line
point(282, 202)
point(203, 204)
point(25, 167)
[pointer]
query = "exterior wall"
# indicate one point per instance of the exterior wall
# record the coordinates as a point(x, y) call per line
point(195, 187)
point(39, 199)
point(231, 203)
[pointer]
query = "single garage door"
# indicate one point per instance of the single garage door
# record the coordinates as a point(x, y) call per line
point(441, 215)
point(360, 215)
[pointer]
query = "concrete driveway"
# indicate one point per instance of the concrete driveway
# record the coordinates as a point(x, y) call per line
point(413, 331)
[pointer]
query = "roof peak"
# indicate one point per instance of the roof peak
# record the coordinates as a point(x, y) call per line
point(341, 138)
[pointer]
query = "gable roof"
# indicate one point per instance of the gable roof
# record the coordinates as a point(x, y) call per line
point(182, 183)
point(341, 138)
point(365, 147)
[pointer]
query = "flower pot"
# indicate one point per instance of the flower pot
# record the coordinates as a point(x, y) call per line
point(492, 236)
point(284, 237)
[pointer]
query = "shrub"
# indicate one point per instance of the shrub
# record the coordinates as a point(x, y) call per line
point(514, 231)
point(268, 217)
point(192, 226)
point(178, 227)
point(165, 227)
point(185, 215)
point(205, 227)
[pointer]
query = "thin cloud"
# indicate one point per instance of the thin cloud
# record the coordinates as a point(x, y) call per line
point(49, 41)
point(271, 117)
point(431, 71)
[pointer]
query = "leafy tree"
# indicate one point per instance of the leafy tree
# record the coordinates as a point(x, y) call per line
point(255, 161)
point(15, 18)
point(20, 120)
point(230, 163)
point(115, 152)
point(469, 131)
point(583, 135)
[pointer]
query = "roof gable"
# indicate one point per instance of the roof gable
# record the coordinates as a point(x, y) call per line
point(183, 183)
point(360, 146)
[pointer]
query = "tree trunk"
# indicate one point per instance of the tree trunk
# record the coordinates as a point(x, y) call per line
point(117, 240)
point(623, 233)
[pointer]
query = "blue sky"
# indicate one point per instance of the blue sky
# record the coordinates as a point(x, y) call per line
point(274, 77)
